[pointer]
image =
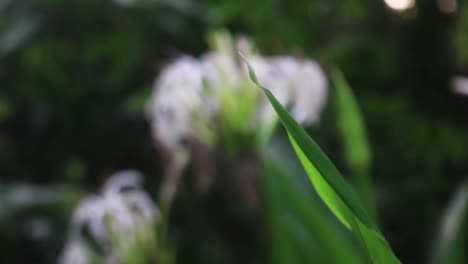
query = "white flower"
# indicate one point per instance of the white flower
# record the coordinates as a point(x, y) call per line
point(121, 211)
point(289, 65)
point(90, 213)
point(178, 94)
point(192, 98)
point(221, 70)
point(183, 78)
point(75, 252)
point(125, 179)
point(271, 75)
point(298, 84)
point(310, 92)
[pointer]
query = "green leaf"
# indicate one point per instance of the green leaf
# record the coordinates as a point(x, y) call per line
point(452, 241)
point(301, 230)
point(331, 186)
point(357, 151)
point(5, 109)
point(135, 103)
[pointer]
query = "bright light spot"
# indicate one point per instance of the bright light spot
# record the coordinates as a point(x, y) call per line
point(399, 5)
point(460, 85)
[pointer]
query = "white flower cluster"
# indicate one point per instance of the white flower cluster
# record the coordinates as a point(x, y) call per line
point(193, 96)
point(114, 220)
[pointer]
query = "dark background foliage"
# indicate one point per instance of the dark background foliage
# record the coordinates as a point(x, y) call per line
point(74, 76)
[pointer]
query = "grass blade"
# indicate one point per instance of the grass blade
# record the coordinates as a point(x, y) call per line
point(357, 151)
point(331, 186)
point(296, 215)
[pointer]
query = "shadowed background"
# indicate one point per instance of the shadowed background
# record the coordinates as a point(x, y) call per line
point(75, 75)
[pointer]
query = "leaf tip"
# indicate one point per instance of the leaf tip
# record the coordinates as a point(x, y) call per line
point(252, 75)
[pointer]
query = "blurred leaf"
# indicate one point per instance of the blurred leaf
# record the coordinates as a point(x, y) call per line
point(135, 104)
point(452, 244)
point(354, 137)
point(5, 109)
point(331, 186)
point(301, 230)
point(75, 169)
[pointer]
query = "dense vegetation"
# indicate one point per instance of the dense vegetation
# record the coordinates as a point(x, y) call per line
point(75, 76)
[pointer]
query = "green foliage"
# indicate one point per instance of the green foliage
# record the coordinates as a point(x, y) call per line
point(354, 139)
point(70, 81)
point(289, 25)
point(460, 36)
point(452, 243)
point(302, 230)
point(5, 109)
point(331, 186)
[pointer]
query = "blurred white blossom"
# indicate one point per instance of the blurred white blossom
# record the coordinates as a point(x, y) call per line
point(179, 102)
point(196, 97)
point(276, 76)
point(220, 70)
point(113, 219)
point(75, 252)
point(310, 92)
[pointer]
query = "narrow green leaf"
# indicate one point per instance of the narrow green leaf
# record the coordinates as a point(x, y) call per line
point(331, 186)
point(330, 245)
point(357, 151)
point(298, 215)
point(282, 247)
